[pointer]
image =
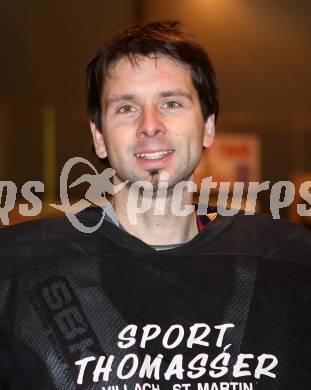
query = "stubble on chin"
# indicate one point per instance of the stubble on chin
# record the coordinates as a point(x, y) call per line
point(154, 178)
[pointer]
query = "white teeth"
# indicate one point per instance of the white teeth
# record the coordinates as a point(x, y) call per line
point(153, 156)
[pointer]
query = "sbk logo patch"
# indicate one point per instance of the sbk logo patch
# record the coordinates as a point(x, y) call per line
point(61, 312)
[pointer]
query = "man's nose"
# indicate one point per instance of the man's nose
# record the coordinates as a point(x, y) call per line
point(150, 124)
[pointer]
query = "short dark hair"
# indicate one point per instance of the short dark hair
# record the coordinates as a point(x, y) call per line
point(152, 39)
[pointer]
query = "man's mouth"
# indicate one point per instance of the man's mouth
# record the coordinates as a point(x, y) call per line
point(154, 155)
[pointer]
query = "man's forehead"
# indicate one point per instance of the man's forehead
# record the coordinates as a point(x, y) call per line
point(136, 63)
point(165, 73)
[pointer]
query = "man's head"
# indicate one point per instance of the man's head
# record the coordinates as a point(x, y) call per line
point(151, 89)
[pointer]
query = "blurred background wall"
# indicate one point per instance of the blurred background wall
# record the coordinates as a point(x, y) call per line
point(260, 49)
point(45, 46)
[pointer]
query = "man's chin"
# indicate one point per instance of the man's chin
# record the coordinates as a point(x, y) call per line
point(152, 181)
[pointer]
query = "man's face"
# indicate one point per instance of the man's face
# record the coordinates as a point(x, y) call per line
point(151, 121)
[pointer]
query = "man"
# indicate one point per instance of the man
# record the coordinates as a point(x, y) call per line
point(176, 300)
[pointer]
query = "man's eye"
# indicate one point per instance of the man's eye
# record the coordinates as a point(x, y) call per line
point(126, 109)
point(172, 104)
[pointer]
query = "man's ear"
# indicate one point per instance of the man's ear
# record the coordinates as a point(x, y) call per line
point(98, 139)
point(209, 131)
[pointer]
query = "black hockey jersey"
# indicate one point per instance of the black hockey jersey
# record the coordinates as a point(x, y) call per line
point(231, 309)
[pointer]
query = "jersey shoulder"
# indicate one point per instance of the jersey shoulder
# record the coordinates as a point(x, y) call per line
point(54, 239)
point(50, 228)
point(264, 236)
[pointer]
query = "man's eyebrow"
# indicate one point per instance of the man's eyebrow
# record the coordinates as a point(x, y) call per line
point(176, 93)
point(118, 98)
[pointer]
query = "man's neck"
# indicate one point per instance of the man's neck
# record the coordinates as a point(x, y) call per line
point(159, 224)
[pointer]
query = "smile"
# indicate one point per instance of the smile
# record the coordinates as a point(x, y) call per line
point(154, 155)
